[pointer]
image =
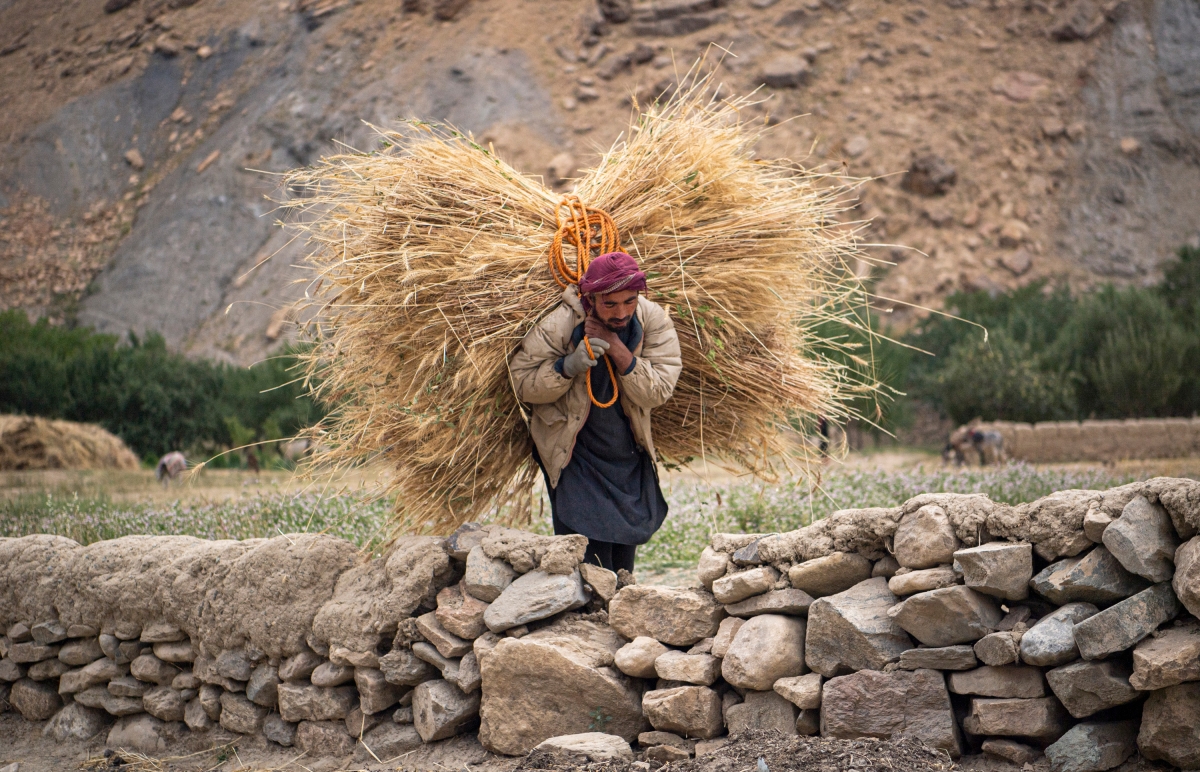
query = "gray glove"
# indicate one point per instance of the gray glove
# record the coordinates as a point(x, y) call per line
point(578, 361)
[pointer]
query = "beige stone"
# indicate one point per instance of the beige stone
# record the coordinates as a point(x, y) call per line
point(34, 700)
point(1171, 657)
point(486, 577)
point(1187, 575)
point(601, 581)
point(762, 710)
point(556, 680)
point(1010, 750)
point(999, 569)
point(765, 649)
point(948, 616)
point(941, 658)
point(922, 580)
point(460, 613)
point(788, 601)
point(302, 702)
point(592, 746)
point(637, 658)
point(694, 711)
point(1041, 719)
point(1009, 681)
point(802, 691)
point(534, 596)
point(238, 714)
point(321, 739)
point(447, 643)
point(441, 710)
point(712, 566)
point(701, 669)
point(890, 705)
point(744, 584)
point(1170, 731)
point(925, 538)
point(725, 635)
point(852, 631)
point(831, 574)
point(678, 617)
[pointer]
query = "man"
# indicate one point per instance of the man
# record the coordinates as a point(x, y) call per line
point(598, 462)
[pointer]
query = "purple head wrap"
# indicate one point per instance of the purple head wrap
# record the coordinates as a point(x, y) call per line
point(612, 272)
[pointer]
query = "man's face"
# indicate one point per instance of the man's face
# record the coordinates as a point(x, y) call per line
point(615, 309)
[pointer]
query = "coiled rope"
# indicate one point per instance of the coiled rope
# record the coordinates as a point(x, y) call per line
point(586, 229)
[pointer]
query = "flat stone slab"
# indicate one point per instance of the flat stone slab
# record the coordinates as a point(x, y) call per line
point(1010, 681)
point(676, 617)
point(942, 658)
point(831, 574)
point(533, 596)
point(1040, 719)
point(791, 602)
point(999, 569)
point(1171, 657)
point(922, 580)
point(1119, 627)
point(744, 584)
point(949, 616)
point(594, 746)
point(1086, 688)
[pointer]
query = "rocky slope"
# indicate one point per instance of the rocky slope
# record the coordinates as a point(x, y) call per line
point(1049, 140)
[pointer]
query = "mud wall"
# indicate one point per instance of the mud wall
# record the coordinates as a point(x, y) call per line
point(1112, 440)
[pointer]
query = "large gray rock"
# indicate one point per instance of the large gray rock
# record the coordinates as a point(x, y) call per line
point(1093, 746)
point(789, 601)
point(891, 705)
point(263, 686)
point(276, 730)
point(1144, 540)
point(1096, 577)
point(942, 658)
point(299, 667)
point(948, 616)
point(1187, 575)
point(925, 538)
point(1086, 688)
point(532, 687)
point(153, 670)
point(1119, 627)
point(1009, 681)
point(533, 596)
point(761, 711)
point(678, 617)
point(76, 722)
point(693, 711)
point(441, 710)
point(99, 672)
point(1043, 719)
point(831, 574)
point(765, 649)
point(81, 652)
point(486, 577)
point(999, 569)
point(1052, 640)
point(851, 630)
point(1170, 731)
point(1170, 657)
point(744, 584)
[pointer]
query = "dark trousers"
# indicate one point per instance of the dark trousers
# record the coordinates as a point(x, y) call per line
point(605, 554)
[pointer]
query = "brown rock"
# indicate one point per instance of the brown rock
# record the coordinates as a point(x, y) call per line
point(1086, 688)
point(447, 644)
point(80, 653)
point(637, 657)
point(852, 631)
point(1010, 750)
point(323, 738)
point(34, 700)
point(789, 602)
point(1041, 719)
point(461, 614)
point(942, 658)
point(694, 711)
point(1171, 657)
point(374, 692)
point(329, 674)
point(830, 574)
point(765, 649)
point(151, 669)
point(441, 710)
point(725, 635)
point(76, 722)
point(929, 175)
point(263, 686)
point(601, 581)
point(947, 616)
point(712, 566)
point(673, 616)
point(1187, 575)
point(909, 582)
point(541, 677)
point(802, 691)
point(486, 577)
point(762, 711)
point(403, 668)
point(898, 704)
point(1169, 730)
point(239, 714)
point(785, 71)
point(389, 740)
point(1012, 681)
point(164, 703)
point(744, 584)
point(996, 649)
point(925, 538)
point(299, 667)
point(301, 702)
point(701, 669)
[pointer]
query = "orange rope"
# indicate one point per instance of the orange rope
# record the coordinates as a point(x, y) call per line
point(585, 229)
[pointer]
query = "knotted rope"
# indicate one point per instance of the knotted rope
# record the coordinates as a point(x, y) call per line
point(586, 229)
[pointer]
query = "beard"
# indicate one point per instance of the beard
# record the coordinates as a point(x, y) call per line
point(615, 325)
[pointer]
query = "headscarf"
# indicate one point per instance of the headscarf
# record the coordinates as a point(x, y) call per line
point(610, 272)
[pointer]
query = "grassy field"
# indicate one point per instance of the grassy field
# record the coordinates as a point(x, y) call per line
point(226, 504)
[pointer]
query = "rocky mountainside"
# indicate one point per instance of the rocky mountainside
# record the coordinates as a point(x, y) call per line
point(1009, 141)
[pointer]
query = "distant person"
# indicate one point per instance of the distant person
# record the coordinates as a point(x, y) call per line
point(169, 467)
point(252, 461)
point(987, 444)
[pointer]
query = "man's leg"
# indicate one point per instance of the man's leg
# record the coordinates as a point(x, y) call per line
point(622, 557)
point(599, 553)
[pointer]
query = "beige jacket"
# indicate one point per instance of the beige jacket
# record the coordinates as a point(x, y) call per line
point(559, 406)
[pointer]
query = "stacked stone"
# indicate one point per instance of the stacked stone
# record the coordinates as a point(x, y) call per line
point(294, 638)
point(1066, 626)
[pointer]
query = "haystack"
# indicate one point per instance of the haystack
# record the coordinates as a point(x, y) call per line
point(29, 443)
point(431, 262)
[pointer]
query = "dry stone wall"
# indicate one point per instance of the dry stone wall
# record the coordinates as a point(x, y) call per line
point(1066, 626)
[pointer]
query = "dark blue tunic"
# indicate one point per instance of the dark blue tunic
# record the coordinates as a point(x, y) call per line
point(609, 489)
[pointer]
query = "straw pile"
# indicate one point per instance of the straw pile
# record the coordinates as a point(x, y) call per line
point(431, 264)
point(28, 443)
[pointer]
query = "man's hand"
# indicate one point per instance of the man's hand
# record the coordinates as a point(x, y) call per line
point(578, 361)
point(621, 356)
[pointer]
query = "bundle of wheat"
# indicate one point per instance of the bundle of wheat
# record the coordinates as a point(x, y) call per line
point(431, 264)
point(28, 443)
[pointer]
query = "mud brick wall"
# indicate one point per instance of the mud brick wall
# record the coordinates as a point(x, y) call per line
point(1115, 440)
point(1066, 626)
